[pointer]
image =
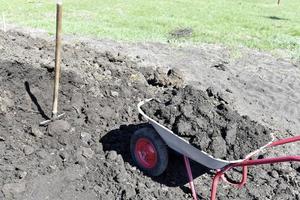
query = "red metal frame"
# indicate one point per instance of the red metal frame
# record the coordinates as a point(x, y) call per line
point(189, 171)
point(220, 175)
point(145, 153)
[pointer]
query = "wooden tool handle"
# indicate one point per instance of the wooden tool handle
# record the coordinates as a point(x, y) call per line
point(57, 57)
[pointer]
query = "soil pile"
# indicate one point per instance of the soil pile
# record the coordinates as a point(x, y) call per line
point(208, 124)
point(86, 155)
point(96, 93)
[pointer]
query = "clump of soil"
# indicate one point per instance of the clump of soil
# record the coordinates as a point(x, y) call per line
point(158, 77)
point(208, 124)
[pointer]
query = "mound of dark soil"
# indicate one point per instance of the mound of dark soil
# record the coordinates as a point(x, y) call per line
point(208, 124)
point(98, 93)
point(86, 154)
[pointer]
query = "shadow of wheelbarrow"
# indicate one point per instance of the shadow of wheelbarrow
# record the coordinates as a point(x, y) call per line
point(175, 174)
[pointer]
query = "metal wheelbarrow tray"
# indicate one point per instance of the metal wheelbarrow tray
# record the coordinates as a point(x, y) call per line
point(149, 152)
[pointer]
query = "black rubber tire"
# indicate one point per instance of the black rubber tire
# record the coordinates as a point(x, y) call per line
point(160, 147)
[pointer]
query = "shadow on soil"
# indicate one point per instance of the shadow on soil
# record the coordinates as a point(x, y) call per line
point(35, 101)
point(175, 175)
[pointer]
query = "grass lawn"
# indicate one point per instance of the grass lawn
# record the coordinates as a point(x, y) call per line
point(258, 24)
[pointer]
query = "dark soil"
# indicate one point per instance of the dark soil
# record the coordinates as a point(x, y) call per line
point(86, 154)
point(207, 123)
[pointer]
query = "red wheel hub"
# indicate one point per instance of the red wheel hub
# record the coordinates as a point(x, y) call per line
point(145, 153)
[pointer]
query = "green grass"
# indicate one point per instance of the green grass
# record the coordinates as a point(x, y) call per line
point(260, 24)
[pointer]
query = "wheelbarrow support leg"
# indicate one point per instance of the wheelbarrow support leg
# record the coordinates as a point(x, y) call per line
point(190, 175)
point(220, 174)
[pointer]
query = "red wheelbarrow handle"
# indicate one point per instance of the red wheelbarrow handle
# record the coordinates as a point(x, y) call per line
point(285, 141)
point(220, 173)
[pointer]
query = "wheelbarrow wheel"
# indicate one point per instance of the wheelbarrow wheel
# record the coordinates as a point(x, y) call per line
point(148, 151)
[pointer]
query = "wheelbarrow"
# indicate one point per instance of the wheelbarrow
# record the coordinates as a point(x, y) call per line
point(149, 151)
